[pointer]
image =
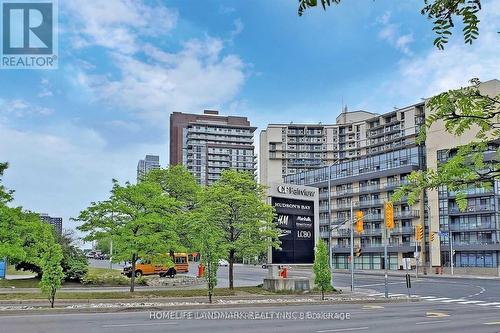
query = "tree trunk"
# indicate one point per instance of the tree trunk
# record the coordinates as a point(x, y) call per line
point(322, 294)
point(52, 298)
point(210, 297)
point(231, 272)
point(132, 277)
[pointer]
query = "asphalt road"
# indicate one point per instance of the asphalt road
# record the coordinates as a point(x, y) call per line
point(386, 318)
point(453, 288)
point(439, 287)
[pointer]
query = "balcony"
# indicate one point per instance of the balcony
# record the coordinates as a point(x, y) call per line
point(348, 191)
point(472, 209)
point(323, 234)
point(372, 232)
point(403, 231)
point(407, 215)
point(369, 188)
point(477, 227)
point(373, 217)
point(395, 184)
point(368, 203)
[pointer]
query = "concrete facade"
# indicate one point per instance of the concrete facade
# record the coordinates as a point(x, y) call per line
point(207, 144)
point(287, 149)
point(382, 163)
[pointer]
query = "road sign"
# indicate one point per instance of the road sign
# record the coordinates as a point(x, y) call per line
point(406, 263)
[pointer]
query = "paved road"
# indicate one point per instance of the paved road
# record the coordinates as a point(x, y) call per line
point(453, 288)
point(387, 318)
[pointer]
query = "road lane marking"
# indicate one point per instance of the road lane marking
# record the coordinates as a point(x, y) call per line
point(379, 284)
point(438, 299)
point(454, 300)
point(492, 323)
point(471, 302)
point(487, 304)
point(344, 329)
point(436, 314)
point(479, 293)
point(427, 297)
point(432, 322)
point(135, 325)
point(373, 307)
point(396, 295)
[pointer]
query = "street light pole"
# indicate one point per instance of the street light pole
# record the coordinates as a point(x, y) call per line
point(452, 264)
point(352, 247)
point(330, 224)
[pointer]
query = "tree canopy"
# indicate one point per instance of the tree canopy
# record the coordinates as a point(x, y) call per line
point(139, 219)
point(442, 13)
point(237, 204)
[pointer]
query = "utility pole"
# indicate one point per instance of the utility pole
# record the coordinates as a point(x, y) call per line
point(416, 256)
point(330, 224)
point(386, 284)
point(452, 264)
point(352, 247)
point(430, 236)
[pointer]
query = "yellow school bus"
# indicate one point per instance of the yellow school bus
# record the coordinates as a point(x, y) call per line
point(148, 268)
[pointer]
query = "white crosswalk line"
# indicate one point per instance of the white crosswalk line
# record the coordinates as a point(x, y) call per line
point(396, 295)
point(427, 297)
point(471, 302)
point(438, 299)
point(490, 304)
point(453, 300)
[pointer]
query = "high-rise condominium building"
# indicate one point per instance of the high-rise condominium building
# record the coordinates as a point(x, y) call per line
point(380, 159)
point(56, 222)
point(286, 149)
point(147, 164)
point(208, 143)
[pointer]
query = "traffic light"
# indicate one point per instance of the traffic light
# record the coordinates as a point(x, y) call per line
point(389, 215)
point(359, 222)
point(359, 252)
point(419, 232)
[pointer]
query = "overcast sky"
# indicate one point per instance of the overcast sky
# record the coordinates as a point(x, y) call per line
point(125, 65)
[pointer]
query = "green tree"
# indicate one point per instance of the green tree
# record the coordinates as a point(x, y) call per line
point(103, 245)
point(24, 237)
point(237, 205)
point(141, 221)
point(52, 272)
point(442, 13)
point(322, 273)
point(74, 263)
point(210, 242)
point(177, 182)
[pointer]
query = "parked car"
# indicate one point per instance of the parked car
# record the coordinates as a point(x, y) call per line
point(223, 262)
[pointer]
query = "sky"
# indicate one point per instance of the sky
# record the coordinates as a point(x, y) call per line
point(126, 65)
